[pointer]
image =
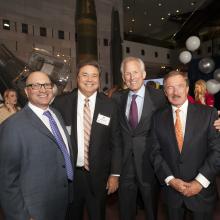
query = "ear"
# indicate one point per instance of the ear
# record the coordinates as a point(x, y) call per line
point(144, 74)
point(25, 90)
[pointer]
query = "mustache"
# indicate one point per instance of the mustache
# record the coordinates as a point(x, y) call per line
point(176, 96)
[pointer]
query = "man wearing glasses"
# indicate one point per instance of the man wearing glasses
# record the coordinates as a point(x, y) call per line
point(36, 171)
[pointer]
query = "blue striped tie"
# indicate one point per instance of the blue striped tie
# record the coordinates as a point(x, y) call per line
point(60, 142)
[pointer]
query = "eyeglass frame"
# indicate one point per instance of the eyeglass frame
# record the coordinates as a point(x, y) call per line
point(40, 85)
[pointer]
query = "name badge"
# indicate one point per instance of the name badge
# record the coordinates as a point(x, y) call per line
point(102, 119)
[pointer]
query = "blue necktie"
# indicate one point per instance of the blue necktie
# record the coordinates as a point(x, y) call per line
point(133, 114)
point(60, 142)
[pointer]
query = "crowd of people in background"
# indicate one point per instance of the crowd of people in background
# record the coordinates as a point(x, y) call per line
point(60, 155)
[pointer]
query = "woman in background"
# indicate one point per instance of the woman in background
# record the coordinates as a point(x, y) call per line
point(10, 104)
point(201, 94)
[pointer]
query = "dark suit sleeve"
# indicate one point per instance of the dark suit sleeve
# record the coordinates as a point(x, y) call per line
point(11, 197)
point(115, 142)
point(160, 166)
point(211, 165)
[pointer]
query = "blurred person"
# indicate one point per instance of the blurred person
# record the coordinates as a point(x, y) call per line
point(137, 104)
point(9, 106)
point(185, 152)
point(92, 121)
point(36, 171)
point(201, 94)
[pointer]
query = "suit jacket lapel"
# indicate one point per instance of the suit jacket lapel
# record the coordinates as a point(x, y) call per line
point(37, 123)
point(190, 124)
point(148, 108)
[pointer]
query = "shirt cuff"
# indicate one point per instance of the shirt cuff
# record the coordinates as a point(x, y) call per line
point(167, 180)
point(114, 175)
point(202, 180)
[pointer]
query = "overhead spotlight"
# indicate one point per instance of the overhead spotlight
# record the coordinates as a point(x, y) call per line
point(149, 24)
point(133, 20)
point(159, 4)
point(177, 11)
point(130, 31)
point(192, 3)
point(128, 7)
point(162, 18)
point(169, 14)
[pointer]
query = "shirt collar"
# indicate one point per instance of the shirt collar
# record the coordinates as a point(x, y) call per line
point(91, 98)
point(182, 108)
point(38, 111)
point(139, 93)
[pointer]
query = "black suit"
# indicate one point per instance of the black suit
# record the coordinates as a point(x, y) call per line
point(104, 151)
point(200, 154)
point(33, 180)
point(135, 142)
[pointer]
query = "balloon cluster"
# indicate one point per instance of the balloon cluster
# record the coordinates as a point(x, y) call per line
point(206, 65)
point(192, 44)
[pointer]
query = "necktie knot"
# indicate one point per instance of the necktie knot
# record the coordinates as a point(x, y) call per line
point(86, 102)
point(134, 97)
point(47, 113)
point(178, 111)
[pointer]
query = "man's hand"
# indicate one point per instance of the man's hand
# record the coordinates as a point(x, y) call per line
point(217, 122)
point(112, 184)
point(179, 185)
point(194, 188)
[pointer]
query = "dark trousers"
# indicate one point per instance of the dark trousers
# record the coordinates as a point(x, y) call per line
point(183, 213)
point(128, 188)
point(84, 197)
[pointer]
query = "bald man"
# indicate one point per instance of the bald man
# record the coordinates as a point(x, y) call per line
point(36, 172)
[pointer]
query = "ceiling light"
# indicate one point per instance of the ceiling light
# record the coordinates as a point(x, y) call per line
point(169, 14)
point(159, 4)
point(192, 3)
point(133, 20)
point(128, 7)
point(162, 18)
point(177, 11)
point(130, 31)
point(150, 25)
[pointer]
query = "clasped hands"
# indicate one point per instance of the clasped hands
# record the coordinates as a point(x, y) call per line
point(187, 189)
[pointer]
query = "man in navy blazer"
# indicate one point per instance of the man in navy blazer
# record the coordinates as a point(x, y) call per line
point(104, 150)
point(33, 176)
point(185, 152)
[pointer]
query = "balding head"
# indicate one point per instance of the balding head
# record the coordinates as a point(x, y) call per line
point(39, 89)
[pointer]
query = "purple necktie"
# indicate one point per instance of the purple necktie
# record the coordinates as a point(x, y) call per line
point(60, 142)
point(133, 114)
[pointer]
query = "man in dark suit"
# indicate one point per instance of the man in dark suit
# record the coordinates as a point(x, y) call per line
point(135, 121)
point(95, 140)
point(186, 152)
point(35, 181)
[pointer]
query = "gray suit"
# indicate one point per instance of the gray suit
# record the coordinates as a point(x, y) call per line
point(33, 181)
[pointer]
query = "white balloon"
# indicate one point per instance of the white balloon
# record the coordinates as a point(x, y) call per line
point(213, 86)
point(185, 57)
point(192, 43)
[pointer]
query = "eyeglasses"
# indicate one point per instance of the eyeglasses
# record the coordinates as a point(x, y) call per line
point(38, 86)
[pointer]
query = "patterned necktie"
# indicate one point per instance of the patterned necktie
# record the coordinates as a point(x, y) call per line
point(87, 131)
point(133, 114)
point(179, 130)
point(61, 144)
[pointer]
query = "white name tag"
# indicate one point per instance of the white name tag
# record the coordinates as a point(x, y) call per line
point(68, 128)
point(102, 119)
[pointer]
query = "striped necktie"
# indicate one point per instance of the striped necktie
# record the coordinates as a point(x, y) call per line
point(87, 131)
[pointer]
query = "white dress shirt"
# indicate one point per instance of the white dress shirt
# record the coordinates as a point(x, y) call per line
point(183, 116)
point(39, 112)
point(80, 127)
point(139, 100)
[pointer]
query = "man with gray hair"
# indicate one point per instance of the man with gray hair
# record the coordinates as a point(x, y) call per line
point(136, 108)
